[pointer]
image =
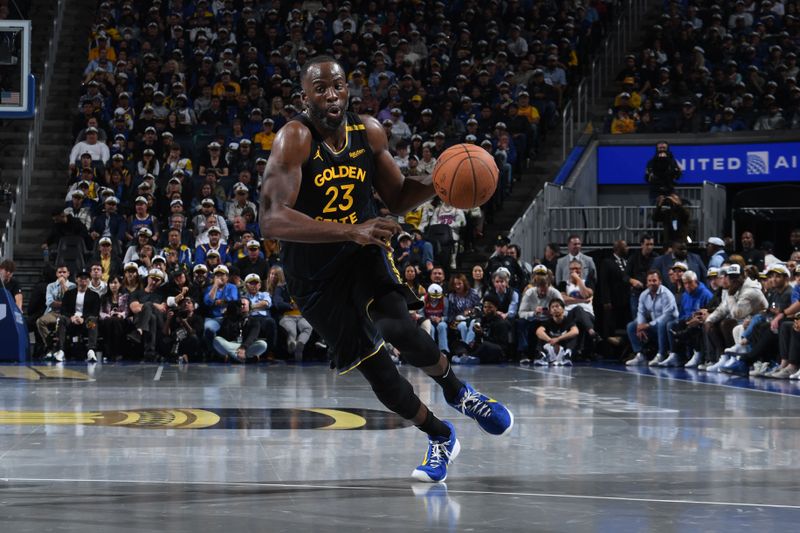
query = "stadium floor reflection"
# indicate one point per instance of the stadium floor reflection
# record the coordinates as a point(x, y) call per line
point(108, 448)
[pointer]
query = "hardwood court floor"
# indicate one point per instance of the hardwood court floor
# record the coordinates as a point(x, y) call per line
point(118, 448)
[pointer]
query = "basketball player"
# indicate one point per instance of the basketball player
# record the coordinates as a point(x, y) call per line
point(317, 198)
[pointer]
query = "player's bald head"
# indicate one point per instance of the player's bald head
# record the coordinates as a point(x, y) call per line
point(312, 67)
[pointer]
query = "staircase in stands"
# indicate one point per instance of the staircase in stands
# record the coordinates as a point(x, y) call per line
point(49, 180)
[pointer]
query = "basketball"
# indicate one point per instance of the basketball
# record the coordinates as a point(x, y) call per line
point(465, 176)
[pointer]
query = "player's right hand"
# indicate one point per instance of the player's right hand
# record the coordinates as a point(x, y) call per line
point(376, 231)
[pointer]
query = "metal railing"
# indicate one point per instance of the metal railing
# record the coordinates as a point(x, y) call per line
point(596, 225)
point(552, 217)
point(17, 211)
point(599, 226)
point(531, 231)
point(603, 67)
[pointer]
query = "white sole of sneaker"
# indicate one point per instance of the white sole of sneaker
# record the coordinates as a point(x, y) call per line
point(419, 475)
point(510, 426)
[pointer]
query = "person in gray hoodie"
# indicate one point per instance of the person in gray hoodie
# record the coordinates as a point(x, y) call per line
point(742, 299)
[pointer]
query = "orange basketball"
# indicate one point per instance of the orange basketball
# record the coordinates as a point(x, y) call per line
point(465, 176)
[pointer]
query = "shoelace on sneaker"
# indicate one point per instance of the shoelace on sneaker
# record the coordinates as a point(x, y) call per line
point(438, 453)
point(471, 402)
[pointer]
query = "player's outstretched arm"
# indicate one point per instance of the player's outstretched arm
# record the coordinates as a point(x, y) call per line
point(277, 216)
point(398, 193)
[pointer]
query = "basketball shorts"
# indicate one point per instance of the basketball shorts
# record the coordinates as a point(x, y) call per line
point(338, 308)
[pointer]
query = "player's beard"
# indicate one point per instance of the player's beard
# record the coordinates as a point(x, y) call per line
point(320, 115)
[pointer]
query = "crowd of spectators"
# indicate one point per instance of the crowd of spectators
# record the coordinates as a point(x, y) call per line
point(732, 307)
point(713, 67)
point(736, 311)
point(181, 101)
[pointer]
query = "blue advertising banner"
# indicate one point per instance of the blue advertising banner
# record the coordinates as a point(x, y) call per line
point(718, 163)
point(13, 332)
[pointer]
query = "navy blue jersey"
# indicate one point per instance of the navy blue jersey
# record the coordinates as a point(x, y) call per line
point(336, 187)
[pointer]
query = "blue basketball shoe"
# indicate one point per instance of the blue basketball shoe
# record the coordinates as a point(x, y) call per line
point(441, 452)
point(491, 415)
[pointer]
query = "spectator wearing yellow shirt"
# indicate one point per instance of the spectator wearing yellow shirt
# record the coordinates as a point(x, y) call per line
point(226, 88)
point(525, 109)
point(266, 136)
point(629, 92)
point(624, 122)
point(102, 44)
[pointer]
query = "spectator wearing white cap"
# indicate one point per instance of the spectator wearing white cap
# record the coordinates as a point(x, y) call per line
point(742, 300)
point(216, 299)
point(260, 304)
point(149, 310)
point(757, 341)
point(253, 261)
point(147, 164)
point(143, 238)
point(400, 129)
point(98, 150)
point(678, 251)
point(106, 256)
point(79, 207)
point(685, 335)
point(715, 248)
point(214, 243)
point(92, 122)
point(239, 203)
point(204, 222)
point(142, 218)
point(213, 158)
point(435, 313)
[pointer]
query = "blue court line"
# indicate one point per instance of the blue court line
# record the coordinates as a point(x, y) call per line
point(783, 387)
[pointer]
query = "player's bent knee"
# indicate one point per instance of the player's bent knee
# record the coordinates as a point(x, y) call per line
point(392, 389)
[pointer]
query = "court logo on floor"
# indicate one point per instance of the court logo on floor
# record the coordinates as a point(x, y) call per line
point(180, 418)
point(38, 373)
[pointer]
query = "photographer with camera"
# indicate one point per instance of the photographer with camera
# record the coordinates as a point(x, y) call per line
point(661, 174)
point(183, 329)
point(492, 334)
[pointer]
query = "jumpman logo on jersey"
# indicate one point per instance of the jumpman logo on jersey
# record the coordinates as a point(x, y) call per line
point(317, 155)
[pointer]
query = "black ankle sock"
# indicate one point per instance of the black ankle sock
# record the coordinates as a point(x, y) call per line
point(434, 427)
point(449, 383)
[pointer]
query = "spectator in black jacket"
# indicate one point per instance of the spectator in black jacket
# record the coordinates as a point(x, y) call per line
point(751, 254)
point(237, 337)
point(110, 263)
point(492, 335)
point(500, 258)
point(253, 262)
point(80, 309)
point(65, 225)
point(184, 330)
point(662, 172)
point(636, 270)
point(616, 288)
